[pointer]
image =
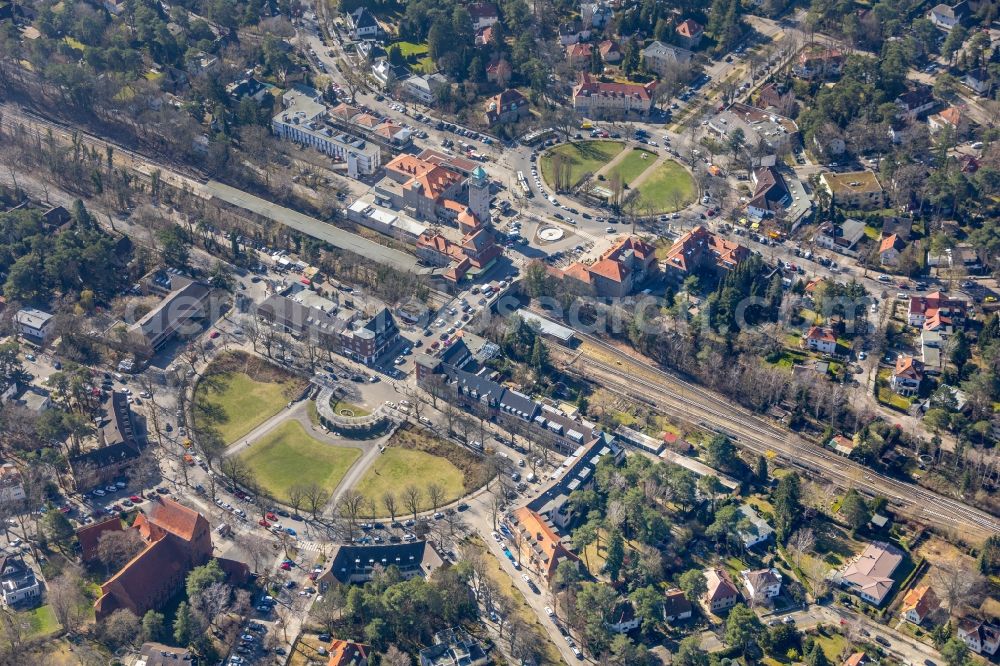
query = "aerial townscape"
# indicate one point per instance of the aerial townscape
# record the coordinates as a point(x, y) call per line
point(488, 332)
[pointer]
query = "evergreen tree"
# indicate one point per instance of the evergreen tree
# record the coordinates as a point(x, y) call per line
point(183, 625)
point(854, 510)
point(816, 656)
point(787, 506)
point(616, 555)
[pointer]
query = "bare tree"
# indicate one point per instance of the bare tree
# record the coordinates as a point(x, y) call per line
point(65, 595)
point(800, 543)
point(411, 499)
point(349, 508)
point(296, 496)
point(395, 657)
point(958, 586)
point(316, 498)
point(389, 502)
point(116, 548)
point(435, 493)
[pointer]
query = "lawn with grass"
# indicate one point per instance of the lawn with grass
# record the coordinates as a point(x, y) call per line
point(670, 187)
point(833, 646)
point(413, 456)
point(236, 404)
point(288, 455)
point(341, 407)
point(411, 49)
point(583, 157)
point(630, 166)
point(41, 621)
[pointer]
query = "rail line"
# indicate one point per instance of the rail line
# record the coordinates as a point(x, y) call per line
point(755, 434)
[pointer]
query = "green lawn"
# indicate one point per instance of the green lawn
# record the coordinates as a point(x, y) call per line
point(235, 404)
point(410, 48)
point(583, 156)
point(41, 621)
point(357, 411)
point(833, 646)
point(397, 468)
point(288, 455)
point(669, 188)
point(633, 164)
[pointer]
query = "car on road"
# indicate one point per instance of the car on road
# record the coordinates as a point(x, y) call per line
point(883, 641)
point(549, 611)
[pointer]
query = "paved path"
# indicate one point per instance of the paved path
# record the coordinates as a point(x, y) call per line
point(645, 175)
point(608, 166)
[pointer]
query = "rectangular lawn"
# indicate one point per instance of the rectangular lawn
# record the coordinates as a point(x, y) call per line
point(235, 404)
point(397, 468)
point(584, 157)
point(633, 164)
point(288, 455)
point(669, 188)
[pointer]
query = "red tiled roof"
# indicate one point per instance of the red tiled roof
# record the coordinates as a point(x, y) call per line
point(693, 247)
point(820, 333)
point(90, 535)
point(175, 518)
point(591, 86)
point(610, 270)
point(579, 50)
point(907, 366)
point(689, 28)
point(921, 599)
point(889, 242)
point(347, 653)
point(856, 659)
point(541, 539)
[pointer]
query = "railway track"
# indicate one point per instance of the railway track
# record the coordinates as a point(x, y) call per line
point(667, 391)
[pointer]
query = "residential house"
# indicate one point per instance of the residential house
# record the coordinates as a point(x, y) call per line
point(907, 375)
point(761, 584)
point(597, 99)
point(623, 618)
point(700, 249)
point(619, 270)
point(454, 647)
point(611, 51)
point(484, 38)
point(982, 638)
point(843, 237)
point(661, 58)
point(99, 466)
point(11, 484)
point(499, 71)
point(33, 324)
point(869, 575)
point(820, 339)
point(247, 87)
point(347, 653)
point(363, 24)
point(889, 249)
point(770, 193)
point(952, 118)
point(553, 505)
point(759, 530)
point(936, 308)
point(842, 445)
point(721, 594)
point(918, 603)
point(819, 62)
point(540, 546)
point(676, 606)
point(179, 313)
point(915, 102)
point(387, 74)
point(509, 106)
point(352, 564)
point(978, 80)
point(689, 33)
point(771, 97)
point(854, 190)
point(177, 539)
point(930, 351)
point(424, 87)
point(595, 14)
point(18, 582)
point(484, 15)
point(572, 32)
point(947, 17)
point(578, 55)
point(856, 659)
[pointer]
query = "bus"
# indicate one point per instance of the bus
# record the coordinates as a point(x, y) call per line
point(537, 136)
point(523, 183)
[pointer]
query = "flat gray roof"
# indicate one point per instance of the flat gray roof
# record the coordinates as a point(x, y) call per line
point(318, 229)
point(547, 326)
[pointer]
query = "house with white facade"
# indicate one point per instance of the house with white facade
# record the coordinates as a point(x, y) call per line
point(33, 324)
point(761, 584)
